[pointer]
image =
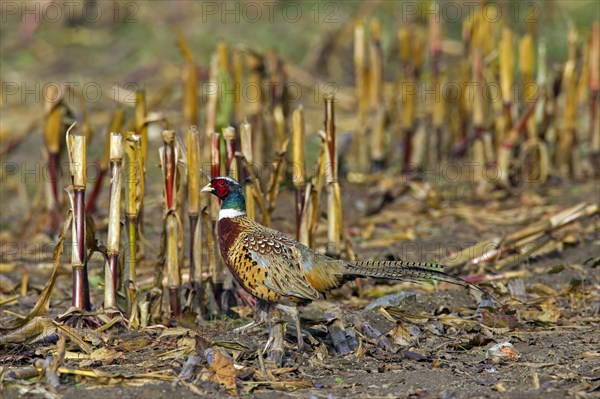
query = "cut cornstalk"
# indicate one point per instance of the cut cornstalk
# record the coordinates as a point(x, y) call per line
point(298, 167)
point(277, 83)
point(114, 222)
point(55, 112)
point(567, 138)
point(334, 200)
point(76, 148)
point(215, 266)
point(478, 155)
point(361, 93)
point(435, 51)
point(246, 149)
point(114, 126)
point(505, 151)
point(134, 192)
point(190, 81)
point(594, 96)
point(506, 79)
point(256, 66)
point(193, 170)
point(273, 192)
point(141, 129)
point(237, 66)
point(376, 98)
point(534, 155)
point(231, 168)
point(169, 157)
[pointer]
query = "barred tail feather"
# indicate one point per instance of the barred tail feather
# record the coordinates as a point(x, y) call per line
point(403, 271)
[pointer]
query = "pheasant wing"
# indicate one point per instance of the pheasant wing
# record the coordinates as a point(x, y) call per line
point(277, 254)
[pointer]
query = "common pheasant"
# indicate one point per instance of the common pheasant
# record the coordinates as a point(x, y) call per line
point(281, 271)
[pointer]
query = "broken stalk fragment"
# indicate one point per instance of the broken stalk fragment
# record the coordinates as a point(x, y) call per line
point(76, 148)
point(114, 222)
point(169, 156)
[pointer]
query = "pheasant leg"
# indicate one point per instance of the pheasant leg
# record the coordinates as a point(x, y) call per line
point(292, 311)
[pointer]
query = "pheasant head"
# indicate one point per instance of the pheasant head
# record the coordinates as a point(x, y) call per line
point(230, 193)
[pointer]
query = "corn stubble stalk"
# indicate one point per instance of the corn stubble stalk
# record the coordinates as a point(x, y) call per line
point(376, 98)
point(567, 138)
point(189, 77)
point(194, 165)
point(594, 95)
point(534, 155)
point(299, 169)
point(114, 222)
point(231, 169)
point(215, 266)
point(249, 187)
point(361, 93)
point(334, 199)
point(435, 51)
point(134, 192)
point(169, 157)
point(76, 148)
point(54, 115)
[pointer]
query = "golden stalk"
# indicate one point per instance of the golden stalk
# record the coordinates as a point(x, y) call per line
point(594, 86)
point(506, 50)
point(212, 98)
point(237, 64)
point(478, 118)
point(216, 269)
point(76, 148)
point(246, 149)
point(231, 167)
point(190, 81)
point(334, 203)
point(360, 62)
point(169, 157)
point(114, 221)
point(435, 50)
point(194, 165)
point(298, 167)
point(376, 97)
point(141, 129)
point(55, 112)
point(566, 140)
point(134, 192)
point(273, 192)
point(255, 106)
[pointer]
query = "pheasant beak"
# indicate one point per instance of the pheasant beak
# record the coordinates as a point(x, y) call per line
point(207, 189)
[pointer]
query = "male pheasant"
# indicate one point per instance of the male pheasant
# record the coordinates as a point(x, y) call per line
point(280, 271)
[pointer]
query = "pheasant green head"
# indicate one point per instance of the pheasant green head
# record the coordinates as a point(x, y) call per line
point(230, 193)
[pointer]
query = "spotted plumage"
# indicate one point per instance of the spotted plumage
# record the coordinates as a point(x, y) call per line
point(275, 268)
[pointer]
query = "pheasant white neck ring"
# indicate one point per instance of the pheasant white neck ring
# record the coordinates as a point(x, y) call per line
point(230, 213)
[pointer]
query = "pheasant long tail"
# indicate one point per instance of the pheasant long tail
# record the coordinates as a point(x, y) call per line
point(404, 271)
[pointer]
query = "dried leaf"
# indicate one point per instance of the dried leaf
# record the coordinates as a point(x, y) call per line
point(222, 365)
